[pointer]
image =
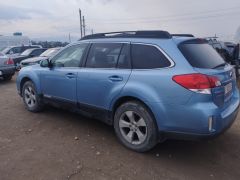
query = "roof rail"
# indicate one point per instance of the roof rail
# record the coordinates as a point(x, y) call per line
point(183, 35)
point(130, 34)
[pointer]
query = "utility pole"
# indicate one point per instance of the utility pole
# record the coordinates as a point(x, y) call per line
point(80, 16)
point(92, 31)
point(84, 26)
point(69, 38)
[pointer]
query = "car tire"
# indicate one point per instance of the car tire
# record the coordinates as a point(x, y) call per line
point(7, 77)
point(135, 126)
point(33, 102)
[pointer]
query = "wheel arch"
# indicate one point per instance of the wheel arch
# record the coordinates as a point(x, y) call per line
point(35, 81)
point(125, 99)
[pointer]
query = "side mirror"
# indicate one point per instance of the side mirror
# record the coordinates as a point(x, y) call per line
point(45, 63)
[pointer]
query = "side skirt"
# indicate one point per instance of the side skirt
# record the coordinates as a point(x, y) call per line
point(83, 109)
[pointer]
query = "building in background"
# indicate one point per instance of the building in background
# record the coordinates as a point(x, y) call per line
point(17, 39)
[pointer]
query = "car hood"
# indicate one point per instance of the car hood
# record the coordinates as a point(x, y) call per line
point(34, 60)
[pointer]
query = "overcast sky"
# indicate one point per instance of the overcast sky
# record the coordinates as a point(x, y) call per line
point(55, 19)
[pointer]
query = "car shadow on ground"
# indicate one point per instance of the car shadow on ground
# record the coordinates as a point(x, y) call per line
point(169, 148)
point(2, 81)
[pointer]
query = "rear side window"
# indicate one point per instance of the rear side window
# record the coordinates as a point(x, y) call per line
point(148, 57)
point(201, 55)
point(104, 55)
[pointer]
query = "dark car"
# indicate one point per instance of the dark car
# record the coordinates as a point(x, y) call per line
point(7, 68)
point(16, 50)
point(36, 60)
point(221, 48)
point(28, 54)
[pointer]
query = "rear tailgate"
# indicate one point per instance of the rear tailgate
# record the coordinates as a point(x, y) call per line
point(205, 60)
point(222, 94)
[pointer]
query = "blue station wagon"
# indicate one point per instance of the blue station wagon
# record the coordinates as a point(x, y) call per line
point(150, 85)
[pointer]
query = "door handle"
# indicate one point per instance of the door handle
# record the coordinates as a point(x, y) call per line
point(115, 78)
point(71, 75)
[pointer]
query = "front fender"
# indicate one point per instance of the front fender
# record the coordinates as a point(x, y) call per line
point(27, 74)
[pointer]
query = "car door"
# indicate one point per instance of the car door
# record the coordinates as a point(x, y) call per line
point(106, 71)
point(59, 82)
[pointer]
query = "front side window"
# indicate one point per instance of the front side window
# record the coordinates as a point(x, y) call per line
point(70, 57)
point(104, 55)
point(148, 57)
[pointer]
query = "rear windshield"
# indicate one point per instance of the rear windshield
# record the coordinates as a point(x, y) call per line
point(201, 55)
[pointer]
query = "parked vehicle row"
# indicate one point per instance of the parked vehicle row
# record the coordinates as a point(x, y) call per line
point(30, 56)
point(36, 60)
point(149, 85)
point(16, 50)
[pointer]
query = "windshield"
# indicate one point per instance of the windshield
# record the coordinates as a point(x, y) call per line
point(201, 55)
point(26, 52)
point(5, 50)
point(49, 52)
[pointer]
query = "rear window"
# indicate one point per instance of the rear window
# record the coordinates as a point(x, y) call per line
point(201, 55)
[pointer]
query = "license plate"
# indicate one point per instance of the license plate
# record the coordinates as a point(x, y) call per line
point(228, 88)
point(0, 73)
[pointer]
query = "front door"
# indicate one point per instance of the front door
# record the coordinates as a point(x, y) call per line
point(59, 82)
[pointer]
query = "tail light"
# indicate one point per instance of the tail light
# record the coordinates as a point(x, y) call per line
point(199, 83)
point(9, 62)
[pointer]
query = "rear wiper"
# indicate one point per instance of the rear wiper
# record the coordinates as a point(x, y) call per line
point(220, 65)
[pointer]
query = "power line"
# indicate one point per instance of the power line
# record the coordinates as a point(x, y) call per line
point(168, 16)
point(172, 19)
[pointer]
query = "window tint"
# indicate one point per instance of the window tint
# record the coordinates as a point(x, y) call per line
point(103, 55)
point(124, 61)
point(201, 55)
point(217, 46)
point(37, 52)
point(70, 57)
point(17, 50)
point(148, 57)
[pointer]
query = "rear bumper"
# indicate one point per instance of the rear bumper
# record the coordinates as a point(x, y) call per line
point(7, 70)
point(195, 136)
point(191, 121)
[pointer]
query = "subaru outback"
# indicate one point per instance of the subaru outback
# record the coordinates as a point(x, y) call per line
point(149, 85)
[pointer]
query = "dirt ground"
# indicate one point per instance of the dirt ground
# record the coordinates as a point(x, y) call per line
point(57, 144)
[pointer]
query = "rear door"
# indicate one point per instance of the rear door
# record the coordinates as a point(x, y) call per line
point(206, 60)
point(106, 71)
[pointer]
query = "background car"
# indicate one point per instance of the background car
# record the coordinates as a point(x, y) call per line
point(36, 60)
point(7, 68)
point(16, 50)
point(27, 54)
point(224, 49)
